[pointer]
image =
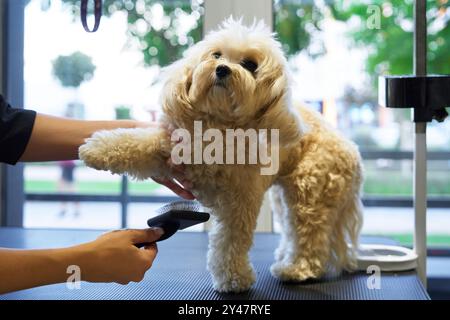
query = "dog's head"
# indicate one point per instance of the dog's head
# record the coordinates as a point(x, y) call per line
point(234, 74)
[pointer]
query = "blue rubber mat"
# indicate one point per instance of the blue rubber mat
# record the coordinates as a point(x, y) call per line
point(180, 273)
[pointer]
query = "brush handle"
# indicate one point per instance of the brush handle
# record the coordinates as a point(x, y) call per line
point(169, 227)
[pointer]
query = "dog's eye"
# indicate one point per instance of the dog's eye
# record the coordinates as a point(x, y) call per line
point(249, 65)
point(217, 55)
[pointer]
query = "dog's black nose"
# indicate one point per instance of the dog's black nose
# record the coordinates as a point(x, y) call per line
point(222, 71)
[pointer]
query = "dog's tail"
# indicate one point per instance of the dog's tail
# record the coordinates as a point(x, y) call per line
point(346, 243)
point(276, 202)
point(346, 236)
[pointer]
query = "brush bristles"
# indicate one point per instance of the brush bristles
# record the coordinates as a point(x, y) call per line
point(182, 206)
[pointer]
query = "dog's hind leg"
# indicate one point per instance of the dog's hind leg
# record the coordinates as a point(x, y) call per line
point(307, 244)
point(140, 153)
point(316, 225)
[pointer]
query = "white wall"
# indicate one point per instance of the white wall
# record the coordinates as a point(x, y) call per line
point(218, 10)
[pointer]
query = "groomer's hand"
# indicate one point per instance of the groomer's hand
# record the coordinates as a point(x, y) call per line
point(177, 182)
point(113, 257)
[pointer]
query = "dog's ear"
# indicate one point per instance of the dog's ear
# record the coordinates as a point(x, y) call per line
point(279, 112)
point(175, 94)
point(273, 77)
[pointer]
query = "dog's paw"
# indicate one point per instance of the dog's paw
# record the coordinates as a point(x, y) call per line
point(234, 282)
point(295, 272)
point(95, 151)
point(108, 151)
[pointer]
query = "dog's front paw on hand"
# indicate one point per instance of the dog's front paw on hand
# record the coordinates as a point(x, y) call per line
point(234, 282)
point(295, 272)
point(91, 157)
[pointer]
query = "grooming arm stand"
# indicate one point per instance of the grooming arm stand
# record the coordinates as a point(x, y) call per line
point(427, 96)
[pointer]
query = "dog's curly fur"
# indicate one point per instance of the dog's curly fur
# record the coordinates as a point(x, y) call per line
point(316, 193)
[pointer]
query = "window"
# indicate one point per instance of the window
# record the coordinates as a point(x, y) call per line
point(111, 74)
point(336, 50)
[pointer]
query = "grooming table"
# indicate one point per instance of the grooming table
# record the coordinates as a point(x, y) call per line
point(179, 273)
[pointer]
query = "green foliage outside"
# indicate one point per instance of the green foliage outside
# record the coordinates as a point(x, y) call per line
point(433, 240)
point(391, 46)
point(92, 187)
point(297, 23)
point(155, 26)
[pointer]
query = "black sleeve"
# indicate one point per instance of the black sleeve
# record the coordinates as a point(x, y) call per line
point(16, 126)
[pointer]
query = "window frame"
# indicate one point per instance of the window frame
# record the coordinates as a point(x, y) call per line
point(12, 192)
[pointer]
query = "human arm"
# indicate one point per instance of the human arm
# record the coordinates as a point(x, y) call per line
point(55, 138)
point(113, 257)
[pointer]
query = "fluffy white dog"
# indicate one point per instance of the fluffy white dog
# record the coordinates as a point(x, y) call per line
point(237, 78)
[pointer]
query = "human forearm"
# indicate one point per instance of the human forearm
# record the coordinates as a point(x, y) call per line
point(22, 269)
point(56, 138)
point(113, 257)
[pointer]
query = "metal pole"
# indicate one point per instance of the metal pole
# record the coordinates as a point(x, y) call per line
point(420, 146)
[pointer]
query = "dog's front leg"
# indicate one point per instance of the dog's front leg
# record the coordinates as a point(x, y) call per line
point(140, 153)
point(229, 243)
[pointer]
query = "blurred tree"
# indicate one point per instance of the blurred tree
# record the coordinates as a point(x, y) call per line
point(74, 69)
point(390, 45)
